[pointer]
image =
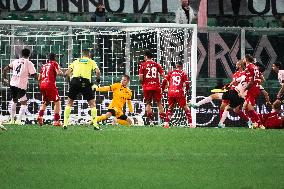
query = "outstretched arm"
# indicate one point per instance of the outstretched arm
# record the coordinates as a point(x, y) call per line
point(129, 104)
point(103, 89)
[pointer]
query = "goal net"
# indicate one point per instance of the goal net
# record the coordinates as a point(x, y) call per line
point(118, 49)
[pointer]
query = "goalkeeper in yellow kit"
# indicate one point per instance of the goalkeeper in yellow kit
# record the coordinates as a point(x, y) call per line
point(121, 95)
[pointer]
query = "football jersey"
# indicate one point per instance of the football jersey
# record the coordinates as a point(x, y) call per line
point(151, 72)
point(176, 79)
point(120, 95)
point(83, 67)
point(241, 87)
point(281, 77)
point(253, 72)
point(236, 78)
point(22, 69)
point(48, 74)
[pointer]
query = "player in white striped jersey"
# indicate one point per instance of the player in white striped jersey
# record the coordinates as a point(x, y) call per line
point(276, 67)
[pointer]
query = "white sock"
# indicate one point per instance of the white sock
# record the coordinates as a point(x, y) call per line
point(13, 110)
point(204, 101)
point(22, 112)
point(224, 116)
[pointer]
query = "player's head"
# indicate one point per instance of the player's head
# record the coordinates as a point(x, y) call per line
point(179, 65)
point(148, 54)
point(248, 59)
point(85, 52)
point(51, 56)
point(240, 65)
point(276, 66)
point(184, 3)
point(125, 80)
point(26, 53)
point(260, 66)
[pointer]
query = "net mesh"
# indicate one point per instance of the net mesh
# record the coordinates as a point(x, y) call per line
point(117, 50)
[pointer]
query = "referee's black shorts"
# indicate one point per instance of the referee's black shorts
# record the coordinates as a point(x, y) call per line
point(79, 85)
point(234, 99)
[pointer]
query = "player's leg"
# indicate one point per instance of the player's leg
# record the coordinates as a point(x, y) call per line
point(92, 104)
point(148, 98)
point(158, 99)
point(224, 117)
point(206, 100)
point(14, 95)
point(57, 109)
point(124, 120)
point(169, 113)
point(41, 112)
point(110, 112)
point(2, 126)
point(23, 100)
point(67, 112)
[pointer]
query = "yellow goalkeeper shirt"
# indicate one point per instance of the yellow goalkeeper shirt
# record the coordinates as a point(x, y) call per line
point(121, 95)
point(83, 67)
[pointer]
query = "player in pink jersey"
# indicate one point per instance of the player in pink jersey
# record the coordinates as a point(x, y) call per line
point(276, 67)
point(48, 89)
point(176, 80)
point(149, 76)
point(22, 69)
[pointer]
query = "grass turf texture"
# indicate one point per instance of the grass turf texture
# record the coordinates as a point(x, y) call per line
point(140, 157)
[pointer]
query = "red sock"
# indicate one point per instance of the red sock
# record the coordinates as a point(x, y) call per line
point(188, 115)
point(221, 113)
point(169, 115)
point(150, 116)
point(163, 115)
point(243, 115)
point(56, 117)
point(253, 116)
point(41, 112)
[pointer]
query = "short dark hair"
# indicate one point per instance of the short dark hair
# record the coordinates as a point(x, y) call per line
point(85, 52)
point(278, 65)
point(249, 58)
point(26, 52)
point(260, 66)
point(148, 54)
point(179, 64)
point(126, 76)
point(51, 56)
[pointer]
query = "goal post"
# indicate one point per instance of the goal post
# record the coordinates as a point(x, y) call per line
point(117, 48)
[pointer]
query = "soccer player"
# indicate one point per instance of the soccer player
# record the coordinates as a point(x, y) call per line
point(176, 79)
point(22, 69)
point(276, 67)
point(252, 90)
point(149, 76)
point(48, 89)
point(121, 95)
point(273, 120)
point(81, 71)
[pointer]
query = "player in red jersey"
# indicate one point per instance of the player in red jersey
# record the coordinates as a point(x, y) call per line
point(273, 120)
point(176, 80)
point(48, 89)
point(149, 76)
point(252, 90)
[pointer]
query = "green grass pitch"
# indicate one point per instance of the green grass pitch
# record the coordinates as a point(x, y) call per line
point(140, 157)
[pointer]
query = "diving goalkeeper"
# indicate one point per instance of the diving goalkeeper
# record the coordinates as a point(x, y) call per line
point(121, 95)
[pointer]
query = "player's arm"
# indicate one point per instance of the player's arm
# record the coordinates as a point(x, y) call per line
point(140, 72)
point(5, 75)
point(129, 104)
point(281, 91)
point(266, 97)
point(103, 89)
point(68, 73)
point(98, 75)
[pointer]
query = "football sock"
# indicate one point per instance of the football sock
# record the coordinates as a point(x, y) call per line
point(150, 116)
point(13, 110)
point(41, 112)
point(22, 112)
point(253, 116)
point(204, 101)
point(56, 117)
point(162, 115)
point(224, 116)
point(221, 113)
point(94, 115)
point(242, 115)
point(188, 115)
point(168, 115)
point(67, 112)
point(123, 122)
